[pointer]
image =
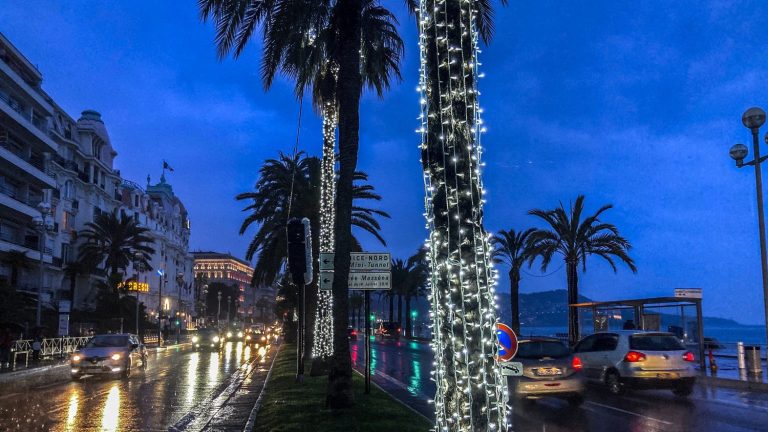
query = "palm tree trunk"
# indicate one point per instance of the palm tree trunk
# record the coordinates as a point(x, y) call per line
point(400, 309)
point(573, 297)
point(340, 393)
point(468, 380)
point(391, 307)
point(323, 326)
point(408, 326)
point(514, 294)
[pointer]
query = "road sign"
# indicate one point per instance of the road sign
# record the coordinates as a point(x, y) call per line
point(360, 281)
point(688, 293)
point(326, 281)
point(507, 342)
point(370, 261)
point(326, 261)
point(511, 368)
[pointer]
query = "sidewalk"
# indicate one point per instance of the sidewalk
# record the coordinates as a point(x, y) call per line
point(728, 375)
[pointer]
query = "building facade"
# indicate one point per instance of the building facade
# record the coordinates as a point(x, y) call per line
point(254, 303)
point(56, 175)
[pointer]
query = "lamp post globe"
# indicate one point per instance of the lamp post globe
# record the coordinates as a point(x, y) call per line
point(738, 152)
point(753, 118)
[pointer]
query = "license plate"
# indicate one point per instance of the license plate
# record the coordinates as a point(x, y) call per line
point(548, 371)
point(666, 375)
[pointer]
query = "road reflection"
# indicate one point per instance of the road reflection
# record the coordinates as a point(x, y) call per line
point(74, 402)
point(110, 417)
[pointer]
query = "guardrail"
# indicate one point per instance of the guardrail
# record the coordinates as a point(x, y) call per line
point(48, 347)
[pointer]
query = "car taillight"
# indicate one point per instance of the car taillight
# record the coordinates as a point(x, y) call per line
point(688, 356)
point(634, 356)
point(576, 364)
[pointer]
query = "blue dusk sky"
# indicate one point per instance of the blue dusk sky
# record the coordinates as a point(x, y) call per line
point(630, 103)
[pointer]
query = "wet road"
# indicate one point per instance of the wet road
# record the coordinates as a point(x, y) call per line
point(406, 365)
point(176, 382)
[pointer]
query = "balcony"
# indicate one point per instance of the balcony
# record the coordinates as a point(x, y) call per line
point(13, 200)
point(35, 126)
point(33, 167)
point(66, 164)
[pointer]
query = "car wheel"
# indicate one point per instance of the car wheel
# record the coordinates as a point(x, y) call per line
point(683, 390)
point(576, 400)
point(613, 382)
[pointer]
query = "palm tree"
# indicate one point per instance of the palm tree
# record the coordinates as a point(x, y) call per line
point(416, 286)
point(290, 29)
point(356, 304)
point(576, 239)
point(269, 203)
point(513, 248)
point(469, 381)
point(112, 243)
point(401, 273)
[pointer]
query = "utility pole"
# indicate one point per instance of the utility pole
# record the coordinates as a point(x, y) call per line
point(160, 274)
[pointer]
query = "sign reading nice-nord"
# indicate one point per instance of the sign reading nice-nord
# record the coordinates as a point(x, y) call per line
point(507, 342)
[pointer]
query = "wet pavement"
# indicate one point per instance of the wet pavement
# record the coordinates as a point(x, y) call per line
point(181, 389)
point(402, 368)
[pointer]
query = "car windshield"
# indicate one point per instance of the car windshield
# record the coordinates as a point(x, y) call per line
point(206, 333)
point(655, 342)
point(541, 349)
point(107, 341)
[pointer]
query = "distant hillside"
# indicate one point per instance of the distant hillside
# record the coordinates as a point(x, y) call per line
point(548, 309)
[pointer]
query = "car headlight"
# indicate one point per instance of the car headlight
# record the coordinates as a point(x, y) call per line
point(239, 334)
point(229, 334)
point(76, 358)
point(263, 338)
point(216, 339)
point(115, 356)
point(195, 339)
point(248, 337)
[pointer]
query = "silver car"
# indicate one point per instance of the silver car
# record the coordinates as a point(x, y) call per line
point(549, 370)
point(113, 354)
point(637, 359)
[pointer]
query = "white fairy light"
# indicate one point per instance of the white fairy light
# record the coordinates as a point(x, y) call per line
point(323, 341)
point(462, 277)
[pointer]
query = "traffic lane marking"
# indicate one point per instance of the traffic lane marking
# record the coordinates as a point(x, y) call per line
point(626, 412)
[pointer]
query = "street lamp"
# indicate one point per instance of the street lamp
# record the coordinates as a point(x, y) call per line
point(205, 303)
point(218, 311)
point(752, 119)
point(229, 303)
point(43, 227)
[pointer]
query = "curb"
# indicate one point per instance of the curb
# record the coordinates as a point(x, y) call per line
point(731, 383)
point(401, 402)
point(251, 423)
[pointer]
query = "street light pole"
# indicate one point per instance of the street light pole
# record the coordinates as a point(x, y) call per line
point(753, 118)
point(44, 208)
point(229, 303)
point(218, 311)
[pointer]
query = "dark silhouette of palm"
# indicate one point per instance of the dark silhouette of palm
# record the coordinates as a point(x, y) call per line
point(513, 248)
point(576, 239)
point(269, 208)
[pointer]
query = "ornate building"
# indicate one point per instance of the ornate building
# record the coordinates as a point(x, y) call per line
point(48, 158)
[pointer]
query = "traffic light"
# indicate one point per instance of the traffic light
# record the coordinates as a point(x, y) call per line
point(300, 250)
point(373, 317)
point(414, 314)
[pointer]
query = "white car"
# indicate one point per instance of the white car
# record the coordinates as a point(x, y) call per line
point(637, 359)
point(113, 354)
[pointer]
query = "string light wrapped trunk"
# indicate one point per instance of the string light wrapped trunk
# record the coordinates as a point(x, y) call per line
point(323, 342)
point(471, 395)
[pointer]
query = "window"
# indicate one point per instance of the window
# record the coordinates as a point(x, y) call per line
point(65, 251)
point(655, 342)
point(606, 342)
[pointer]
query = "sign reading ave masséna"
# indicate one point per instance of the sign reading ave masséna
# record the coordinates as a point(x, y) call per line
point(360, 281)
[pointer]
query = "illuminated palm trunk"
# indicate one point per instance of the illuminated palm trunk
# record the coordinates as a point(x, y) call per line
point(470, 394)
point(323, 341)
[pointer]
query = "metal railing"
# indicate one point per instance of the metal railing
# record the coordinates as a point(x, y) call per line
point(49, 347)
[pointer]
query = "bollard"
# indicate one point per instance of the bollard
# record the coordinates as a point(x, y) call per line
point(740, 355)
point(753, 361)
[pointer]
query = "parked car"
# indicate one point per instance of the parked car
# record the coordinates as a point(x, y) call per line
point(113, 354)
point(637, 359)
point(351, 333)
point(549, 370)
point(389, 329)
point(208, 339)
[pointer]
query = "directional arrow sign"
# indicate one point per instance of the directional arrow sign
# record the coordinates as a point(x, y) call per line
point(326, 261)
point(360, 281)
point(511, 368)
point(326, 280)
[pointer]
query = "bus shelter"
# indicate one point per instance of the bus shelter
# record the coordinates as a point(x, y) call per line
point(679, 315)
